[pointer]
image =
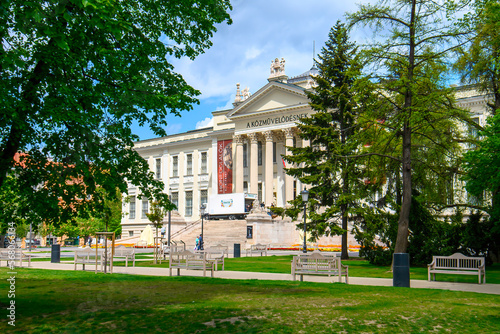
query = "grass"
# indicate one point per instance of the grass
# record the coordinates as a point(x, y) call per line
point(82, 302)
point(357, 268)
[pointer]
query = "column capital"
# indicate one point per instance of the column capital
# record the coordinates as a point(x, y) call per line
point(268, 135)
point(254, 137)
point(238, 139)
point(289, 132)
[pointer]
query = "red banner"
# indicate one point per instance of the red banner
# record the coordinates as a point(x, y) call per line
point(225, 166)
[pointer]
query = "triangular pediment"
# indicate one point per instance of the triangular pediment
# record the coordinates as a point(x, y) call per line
point(273, 96)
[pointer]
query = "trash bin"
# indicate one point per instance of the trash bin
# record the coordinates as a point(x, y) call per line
point(237, 249)
point(401, 270)
point(55, 255)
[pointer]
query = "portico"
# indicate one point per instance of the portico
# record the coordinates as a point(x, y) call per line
point(265, 166)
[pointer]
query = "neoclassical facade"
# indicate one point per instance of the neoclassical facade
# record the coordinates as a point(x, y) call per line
point(242, 152)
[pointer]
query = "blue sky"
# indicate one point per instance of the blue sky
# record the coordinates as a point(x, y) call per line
point(242, 52)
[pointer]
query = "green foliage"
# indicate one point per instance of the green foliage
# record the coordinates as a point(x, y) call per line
point(75, 75)
point(108, 219)
point(332, 179)
point(411, 126)
point(482, 177)
point(479, 61)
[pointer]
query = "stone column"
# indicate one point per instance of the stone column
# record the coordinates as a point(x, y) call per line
point(238, 164)
point(253, 164)
point(280, 173)
point(268, 168)
point(288, 179)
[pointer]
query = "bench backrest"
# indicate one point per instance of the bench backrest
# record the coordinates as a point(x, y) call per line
point(258, 247)
point(458, 260)
point(123, 251)
point(85, 252)
point(188, 259)
point(219, 247)
point(316, 260)
point(7, 254)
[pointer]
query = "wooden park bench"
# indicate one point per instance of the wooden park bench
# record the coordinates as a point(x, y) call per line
point(257, 248)
point(457, 264)
point(87, 256)
point(316, 263)
point(191, 261)
point(13, 255)
point(215, 255)
point(123, 252)
point(219, 247)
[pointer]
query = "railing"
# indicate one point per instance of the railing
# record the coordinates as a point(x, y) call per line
point(186, 228)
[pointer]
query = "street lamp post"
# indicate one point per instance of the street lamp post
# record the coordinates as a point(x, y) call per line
point(305, 197)
point(202, 211)
point(169, 217)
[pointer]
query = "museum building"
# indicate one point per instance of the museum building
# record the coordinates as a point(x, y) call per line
point(242, 152)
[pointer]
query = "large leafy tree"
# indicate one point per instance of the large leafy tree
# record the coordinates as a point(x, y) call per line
point(412, 123)
point(479, 61)
point(323, 166)
point(75, 75)
point(482, 177)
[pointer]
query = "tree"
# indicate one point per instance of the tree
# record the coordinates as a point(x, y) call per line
point(479, 61)
point(75, 75)
point(330, 131)
point(482, 177)
point(157, 212)
point(412, 122)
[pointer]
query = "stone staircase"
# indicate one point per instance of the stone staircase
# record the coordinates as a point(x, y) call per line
point(224, 232)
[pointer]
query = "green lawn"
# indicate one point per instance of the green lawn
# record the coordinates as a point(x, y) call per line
point(82, 302)
point(357, 268)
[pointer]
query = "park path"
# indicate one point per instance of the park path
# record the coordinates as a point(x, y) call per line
point(418, 284)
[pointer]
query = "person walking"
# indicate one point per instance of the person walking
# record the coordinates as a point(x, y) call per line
point(201, 242)
point(197, 244)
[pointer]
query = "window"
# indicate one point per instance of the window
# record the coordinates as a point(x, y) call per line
point(259, 192)
point(249, 232)
point(245, 152)
point(473, 129)
point(175, 166)
point(189, 164)
point(274, 152)
point(132, 208)
point(158, 168)
point(259, 153)
point(294, 142)
point(245, 186)
point(203, 196)
point(175, 199)
point(144, 208)
point(130, 233)
point(204, 163)
point(189, 203)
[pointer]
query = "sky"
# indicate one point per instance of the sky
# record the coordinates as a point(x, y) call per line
point(242, 52)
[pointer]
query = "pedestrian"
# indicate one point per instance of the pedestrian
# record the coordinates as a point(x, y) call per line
point(163, 232)
point(197, 244)
point(201, 242)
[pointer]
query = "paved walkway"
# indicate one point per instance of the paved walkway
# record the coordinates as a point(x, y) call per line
point(419, 284)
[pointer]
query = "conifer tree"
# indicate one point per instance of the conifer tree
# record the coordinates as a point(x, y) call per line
point(329, 177)
point(413, 122)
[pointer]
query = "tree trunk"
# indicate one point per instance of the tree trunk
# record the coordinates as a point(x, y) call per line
point(404, 214)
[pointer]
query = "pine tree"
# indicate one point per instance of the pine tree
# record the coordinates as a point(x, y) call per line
point(330, 176)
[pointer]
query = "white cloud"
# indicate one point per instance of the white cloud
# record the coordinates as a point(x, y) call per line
point(173, 129)
point(206, 123)
point(262, 30)
point(252, 53)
